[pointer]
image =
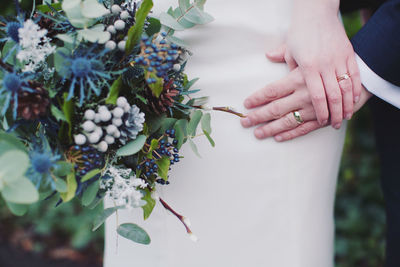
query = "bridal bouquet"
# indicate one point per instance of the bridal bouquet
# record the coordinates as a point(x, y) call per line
point(94, 103)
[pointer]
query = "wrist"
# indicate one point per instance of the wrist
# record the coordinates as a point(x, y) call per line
point(316, 7)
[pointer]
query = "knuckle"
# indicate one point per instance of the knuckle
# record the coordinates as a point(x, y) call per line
point(335, 99)
point(318, 98)
point(270, 93)
point(302, 131)
point(275, 110)
point(346, 86)
point(287, 121)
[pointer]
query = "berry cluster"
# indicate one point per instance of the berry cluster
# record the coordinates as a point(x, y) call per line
point(158, 57)
point(121, 19)
point(105, 127)
point(85, 158)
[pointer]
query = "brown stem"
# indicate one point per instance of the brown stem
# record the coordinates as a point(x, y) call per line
point(180, 217)
point(224, 109)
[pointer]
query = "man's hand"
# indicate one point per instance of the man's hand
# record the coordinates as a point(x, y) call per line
point(277, 102)
point(318, 45)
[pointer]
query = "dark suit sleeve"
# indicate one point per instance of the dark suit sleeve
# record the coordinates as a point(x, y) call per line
point(378, 42)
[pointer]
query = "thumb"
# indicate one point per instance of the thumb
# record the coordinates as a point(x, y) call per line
point(277, 54)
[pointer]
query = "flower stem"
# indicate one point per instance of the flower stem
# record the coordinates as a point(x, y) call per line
point(180, 217)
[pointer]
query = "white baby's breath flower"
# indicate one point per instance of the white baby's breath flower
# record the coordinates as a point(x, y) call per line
point(123, 188)
point(35, 46)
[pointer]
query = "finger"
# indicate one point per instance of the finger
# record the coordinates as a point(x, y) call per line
point(273, 110)
point(355, 78)
point(286, 123)
point(334, 96)
point(277, 54)
point(317, 93)
point(271, 92)
point(290, 61)
point(299, 131)
point(346, 87)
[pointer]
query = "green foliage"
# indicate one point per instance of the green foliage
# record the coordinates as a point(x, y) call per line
point(132, 147)
point(134, 232)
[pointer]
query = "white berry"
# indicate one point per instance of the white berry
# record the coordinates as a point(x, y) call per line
point(119, 25)
point(111, 129)
point(89, 114)
point(110, 45)
point(111, 29)
point(103, 108)
point(177, 67)
point(109, 139)
point(127, 107)
point(118, 112)
point(121, 45)
point(97, 118)
point(102, 146)
point(117, 122)
point(94, 138)
point(121, 101)
point(105, 115)
point(98, 130)
point(88, 126)
point(117, 134)
point(124, 15)
point(116, 9)
point(80, 139)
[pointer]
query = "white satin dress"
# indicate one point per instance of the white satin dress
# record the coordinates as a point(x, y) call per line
point(251, 203)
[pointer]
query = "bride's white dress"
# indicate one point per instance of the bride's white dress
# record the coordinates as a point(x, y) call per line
point(251, 203)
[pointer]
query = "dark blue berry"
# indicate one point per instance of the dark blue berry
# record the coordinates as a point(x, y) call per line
point(76, 147)
point(176, 150)
point(164, 34)
point(150, 69)
point(163, 41)
point(167, 131)
point(147, 164)
point(155, 166)
point(147, 51)
point(172, 162)
point(175, 142)
point(148, 174)
point(168, 153)
point(176, 159)
point(162, 141)
point(174, 46)
point(138, 167)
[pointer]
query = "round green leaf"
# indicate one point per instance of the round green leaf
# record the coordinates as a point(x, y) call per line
point(134, 232)
point(21, 191)
point(61, 185)
point(93, 9)
point(17, 209)
point(169, 21)
point(13, 165)
point(132, 147)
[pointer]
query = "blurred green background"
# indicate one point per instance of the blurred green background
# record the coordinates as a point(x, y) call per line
point(64, 232)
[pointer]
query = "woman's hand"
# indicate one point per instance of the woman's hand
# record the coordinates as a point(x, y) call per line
point(276, 103)
point(318, 45)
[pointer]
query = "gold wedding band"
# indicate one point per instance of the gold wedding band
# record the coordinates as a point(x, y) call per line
point(298, 117)
point(343, 77)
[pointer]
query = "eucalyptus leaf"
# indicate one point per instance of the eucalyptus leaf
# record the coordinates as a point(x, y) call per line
point(62, 168)
point(198, 16)
point(184, 4)
point(167, 123)
point(132, 147)
point(177, 41)
point(90, 175)
point(90, 193)
point(93, 9)
point(134, 232)
point(13, 165)
point(181, 131)
point(169, 21)
point(209, 139)
point(194, 122)
point(206, 123)
point(94, 35)
point(67, 38)
point(102, 217)
point(61, 185)
point(17, 209)
point(12, 141)
point(20, 191)
point(194, 147)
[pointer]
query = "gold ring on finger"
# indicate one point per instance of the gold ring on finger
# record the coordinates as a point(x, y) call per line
point(343, 77)
point(298, 117)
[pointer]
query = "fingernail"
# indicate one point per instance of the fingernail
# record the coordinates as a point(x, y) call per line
point(259, 133)
point(356, 99)
point(247, 103)
point(278, 138)
point(337, 126)
point(348, 116)
point(246, 122)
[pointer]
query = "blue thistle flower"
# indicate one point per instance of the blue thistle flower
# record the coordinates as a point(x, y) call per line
point(43, 161)
point(12, 85)
point(10, 33)
point(85, 70)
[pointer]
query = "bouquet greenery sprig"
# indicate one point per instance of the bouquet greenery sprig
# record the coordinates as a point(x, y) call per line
point(95, 103)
